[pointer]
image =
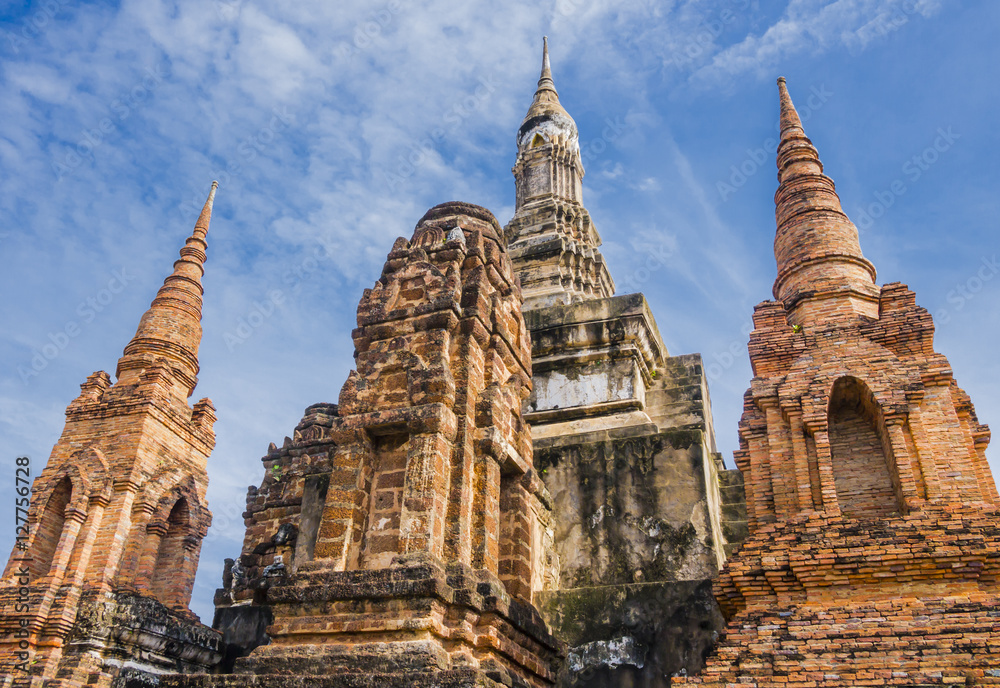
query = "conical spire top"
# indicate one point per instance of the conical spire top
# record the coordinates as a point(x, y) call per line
point(789, 116)
point(794, 146)
point(546, 101)
point(169, 332)
point(822, 273)
point(545, 80)
point(201, 226)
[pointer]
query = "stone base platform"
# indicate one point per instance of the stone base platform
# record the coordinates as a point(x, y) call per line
point(417, 622)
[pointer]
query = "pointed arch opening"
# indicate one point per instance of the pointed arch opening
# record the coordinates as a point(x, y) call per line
point(49, 530)
point(863, 473)
point(168, 583)
point(537, 141)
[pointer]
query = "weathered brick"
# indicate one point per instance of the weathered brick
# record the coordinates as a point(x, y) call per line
point(120, 506)
point(874, 548)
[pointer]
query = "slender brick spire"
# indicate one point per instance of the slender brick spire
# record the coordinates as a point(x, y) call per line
point(795, 146)
point(821, 270)
point(170, 331)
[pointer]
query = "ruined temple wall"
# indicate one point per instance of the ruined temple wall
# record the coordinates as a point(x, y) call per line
point(126, 455)
point(623, 441)
point(906, 601)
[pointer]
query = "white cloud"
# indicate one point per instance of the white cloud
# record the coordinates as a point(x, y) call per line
point(647, 184)
point(814, 27)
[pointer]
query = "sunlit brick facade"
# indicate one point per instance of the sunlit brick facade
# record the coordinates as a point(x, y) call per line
point(119, 512)
point(874, 548)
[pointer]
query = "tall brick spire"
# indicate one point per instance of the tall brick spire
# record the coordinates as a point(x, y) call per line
point(868, 492)
point(821, 270)
point(170, 330)
point(118, 514)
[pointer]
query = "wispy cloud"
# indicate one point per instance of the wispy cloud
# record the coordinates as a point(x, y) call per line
point(814, 27)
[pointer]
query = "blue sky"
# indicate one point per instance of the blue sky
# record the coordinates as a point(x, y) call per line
point(332, 127)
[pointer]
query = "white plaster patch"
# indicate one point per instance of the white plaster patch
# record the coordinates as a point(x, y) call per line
point(555, 390)
point(611, 653)
point(555, 125)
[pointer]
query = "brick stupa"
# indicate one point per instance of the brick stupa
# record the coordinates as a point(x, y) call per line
point(874, 551)
point(119, 512)
point(396, 539)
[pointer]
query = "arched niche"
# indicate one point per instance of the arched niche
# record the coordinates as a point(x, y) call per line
point(48, 530)
point(167, 581)
point(863, 472)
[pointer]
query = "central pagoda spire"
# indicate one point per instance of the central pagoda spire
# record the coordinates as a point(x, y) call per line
point(546, 101)
point(551, 237)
